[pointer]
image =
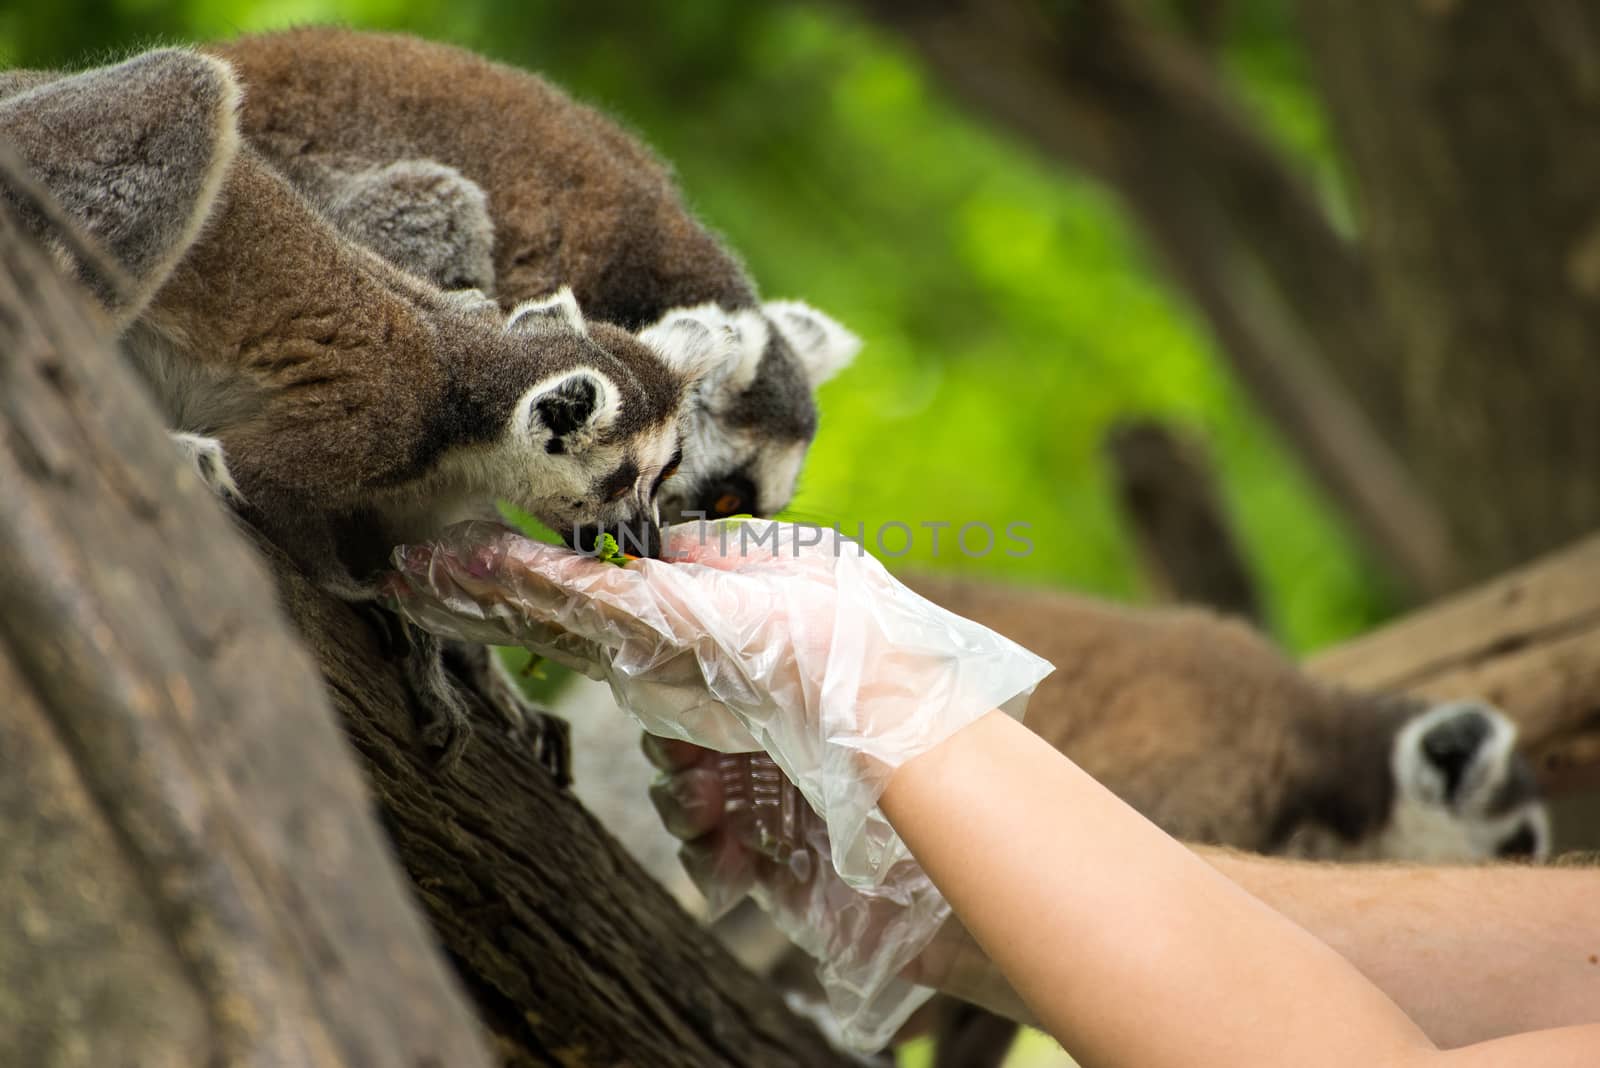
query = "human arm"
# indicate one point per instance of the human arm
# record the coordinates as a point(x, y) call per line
point(1129, 947)
point(1470, 953)
point(1208, 932)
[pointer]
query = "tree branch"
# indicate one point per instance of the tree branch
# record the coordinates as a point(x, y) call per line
point(194, 875)
point(1173, 509)
point(1528, 641)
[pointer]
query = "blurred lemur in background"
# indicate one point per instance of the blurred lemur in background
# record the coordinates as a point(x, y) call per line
point(342, 405)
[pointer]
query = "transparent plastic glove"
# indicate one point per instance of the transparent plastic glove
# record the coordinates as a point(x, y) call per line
point(768, 843)
point(752, 635)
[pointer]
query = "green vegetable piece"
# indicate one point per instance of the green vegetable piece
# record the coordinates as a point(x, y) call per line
point(606, 549)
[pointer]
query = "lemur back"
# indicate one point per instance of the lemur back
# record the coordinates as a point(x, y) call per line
point(573, 200)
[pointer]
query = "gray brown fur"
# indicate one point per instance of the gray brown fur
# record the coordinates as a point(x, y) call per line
point(576, 201)
point(573, 200)
point(349, 406)
point(336, 383)
point(418, 214)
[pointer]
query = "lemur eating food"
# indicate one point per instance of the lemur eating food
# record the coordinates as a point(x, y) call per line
point(477, 174)
point(343, 405)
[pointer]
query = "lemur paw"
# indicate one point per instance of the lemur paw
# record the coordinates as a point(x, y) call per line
point(552, 745)
point(444, 726)
point(439, 707)
point(548, 736)
point(441, 715)
point(210, 462)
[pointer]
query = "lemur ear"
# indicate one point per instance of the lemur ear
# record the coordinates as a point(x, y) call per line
point(824, 347)
point(559, 311)
point(700, 343)
point(565, 413)
point(134, 154)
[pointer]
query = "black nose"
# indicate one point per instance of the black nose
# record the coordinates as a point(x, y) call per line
point(1452, 744)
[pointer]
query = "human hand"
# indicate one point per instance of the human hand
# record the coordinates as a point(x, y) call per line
point(746, 830)
point(750, 635)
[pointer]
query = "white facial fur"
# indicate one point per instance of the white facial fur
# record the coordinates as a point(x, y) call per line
point(713, 447)
point(1425, 824)
point(559, 487)
point(701, 344)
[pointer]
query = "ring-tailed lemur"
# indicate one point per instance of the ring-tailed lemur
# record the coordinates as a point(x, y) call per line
point(434, 157)
point(344, 405)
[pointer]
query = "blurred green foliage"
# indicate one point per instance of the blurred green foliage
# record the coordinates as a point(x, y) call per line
point(1010, 315)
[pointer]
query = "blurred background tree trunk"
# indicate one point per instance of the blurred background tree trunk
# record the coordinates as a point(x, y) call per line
point(1436, 371)
point(1468, 130)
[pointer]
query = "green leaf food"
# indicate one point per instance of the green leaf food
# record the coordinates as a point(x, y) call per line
point(606, 549)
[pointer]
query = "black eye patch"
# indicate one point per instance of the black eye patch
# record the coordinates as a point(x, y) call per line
point(619, 483)
point(732, 494)
point(667, 471)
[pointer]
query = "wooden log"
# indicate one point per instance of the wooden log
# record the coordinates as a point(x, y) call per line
point(192, 874)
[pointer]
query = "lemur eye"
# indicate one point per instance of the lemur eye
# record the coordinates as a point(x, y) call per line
point(619, 493)
point(728, 504)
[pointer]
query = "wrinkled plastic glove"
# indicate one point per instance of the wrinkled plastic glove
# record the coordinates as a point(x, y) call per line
point(768, 843)
point(750, 635)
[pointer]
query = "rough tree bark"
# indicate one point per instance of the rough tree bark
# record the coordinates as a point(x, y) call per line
point(1468, 128)
point(1287, 298)
point(192, 872)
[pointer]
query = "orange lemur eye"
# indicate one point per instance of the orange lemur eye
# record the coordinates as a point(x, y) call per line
point(619, 493)
point(728, 503)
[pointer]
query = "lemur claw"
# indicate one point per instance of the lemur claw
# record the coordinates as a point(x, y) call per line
point(552, 746)
point(444, 726)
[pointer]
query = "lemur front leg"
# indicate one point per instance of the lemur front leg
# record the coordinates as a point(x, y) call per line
point(439, 710)
point(486, 675)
